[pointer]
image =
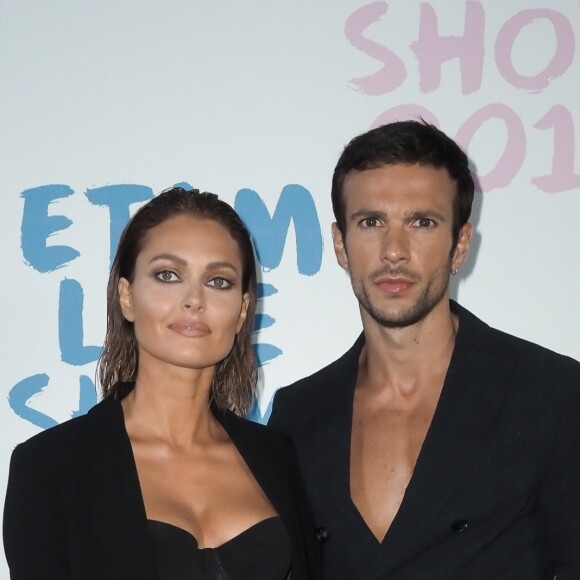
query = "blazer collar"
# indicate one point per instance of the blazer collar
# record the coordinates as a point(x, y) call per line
point(274, 475)
point(120, 490)
point(120, 510)
point(473, 391)
point(129, 537)
point(256, 451)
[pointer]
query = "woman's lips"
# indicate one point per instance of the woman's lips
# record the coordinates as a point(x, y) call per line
point(190, 328)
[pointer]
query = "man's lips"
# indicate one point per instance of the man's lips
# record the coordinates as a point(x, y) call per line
point(394, 285)
point(191, 328)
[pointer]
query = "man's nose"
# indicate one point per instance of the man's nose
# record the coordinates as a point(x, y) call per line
point(395, 244)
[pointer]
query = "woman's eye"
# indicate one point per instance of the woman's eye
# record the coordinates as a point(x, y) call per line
point(220, 283)
point(166, 276)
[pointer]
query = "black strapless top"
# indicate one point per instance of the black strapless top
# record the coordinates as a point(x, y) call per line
point(262, 551)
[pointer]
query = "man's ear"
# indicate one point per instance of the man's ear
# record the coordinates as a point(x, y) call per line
point(339, 247)
point(243, 312)
point(126, 299)
point(462, 246)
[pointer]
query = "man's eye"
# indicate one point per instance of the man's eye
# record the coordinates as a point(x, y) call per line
point(425, 223)
point(166, 276)
point(370, 222)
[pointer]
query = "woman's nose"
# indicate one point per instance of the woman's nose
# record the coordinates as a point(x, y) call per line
point(194, 299)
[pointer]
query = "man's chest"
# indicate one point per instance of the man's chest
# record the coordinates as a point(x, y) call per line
point(384, 448)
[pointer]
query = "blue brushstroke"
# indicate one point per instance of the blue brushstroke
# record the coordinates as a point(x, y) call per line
point(22, 392)
point(256, 415)
point(265, 290)
point(37, 226)
point(263, 321)
point(269, 232)
point(266, 352)
point(184, 185)
point(118, 198)
point(70, 326)
point(87, 396)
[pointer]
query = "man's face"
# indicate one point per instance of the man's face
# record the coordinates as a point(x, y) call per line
point(398, 246)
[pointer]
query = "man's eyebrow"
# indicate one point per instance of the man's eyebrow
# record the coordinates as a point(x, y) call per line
point(363, 212)
point(426, 213)
point(413, 214)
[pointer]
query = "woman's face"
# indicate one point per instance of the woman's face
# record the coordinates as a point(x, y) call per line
point(186, 299)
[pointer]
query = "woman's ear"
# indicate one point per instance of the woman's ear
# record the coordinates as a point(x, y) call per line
point(243, 312)
point(126, 299)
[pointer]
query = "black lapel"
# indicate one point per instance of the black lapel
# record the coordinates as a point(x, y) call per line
point(259, 456)
point(326, 458)
point(473, 392)
point(116, 506)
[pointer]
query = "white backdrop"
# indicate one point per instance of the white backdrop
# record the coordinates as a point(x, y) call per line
point(105, 103)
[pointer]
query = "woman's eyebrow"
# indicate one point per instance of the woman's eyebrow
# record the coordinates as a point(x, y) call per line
point(217, 265)
point(169, 257)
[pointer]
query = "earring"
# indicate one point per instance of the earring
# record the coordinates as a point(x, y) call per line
point(453, 271)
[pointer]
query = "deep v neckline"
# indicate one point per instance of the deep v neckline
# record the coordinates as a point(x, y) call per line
point(366, 532)
point(215, 412)
point(372, 540)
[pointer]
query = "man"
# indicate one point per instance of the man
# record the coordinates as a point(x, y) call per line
point(436, 447)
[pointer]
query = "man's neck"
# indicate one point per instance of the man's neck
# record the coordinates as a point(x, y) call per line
point(408, 360)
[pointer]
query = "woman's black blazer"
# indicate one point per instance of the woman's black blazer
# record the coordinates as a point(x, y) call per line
point(74, 509)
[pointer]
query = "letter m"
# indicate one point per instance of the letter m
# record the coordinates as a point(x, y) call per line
point(269, 232)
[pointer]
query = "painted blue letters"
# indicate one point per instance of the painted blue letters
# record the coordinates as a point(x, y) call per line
point(38, 226)
point(118, 198)
point(269, 233)
point(87, 396)
point(70, 326)
point(22, 392)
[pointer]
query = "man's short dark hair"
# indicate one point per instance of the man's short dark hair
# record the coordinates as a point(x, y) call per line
point(406, 142)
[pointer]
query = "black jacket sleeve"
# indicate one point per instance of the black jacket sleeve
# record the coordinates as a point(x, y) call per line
point(34, 539)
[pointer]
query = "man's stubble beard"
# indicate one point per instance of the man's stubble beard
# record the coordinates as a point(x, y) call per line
point(424, 304)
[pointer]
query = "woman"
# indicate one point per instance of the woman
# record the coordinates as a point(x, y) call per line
point(162, 479)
